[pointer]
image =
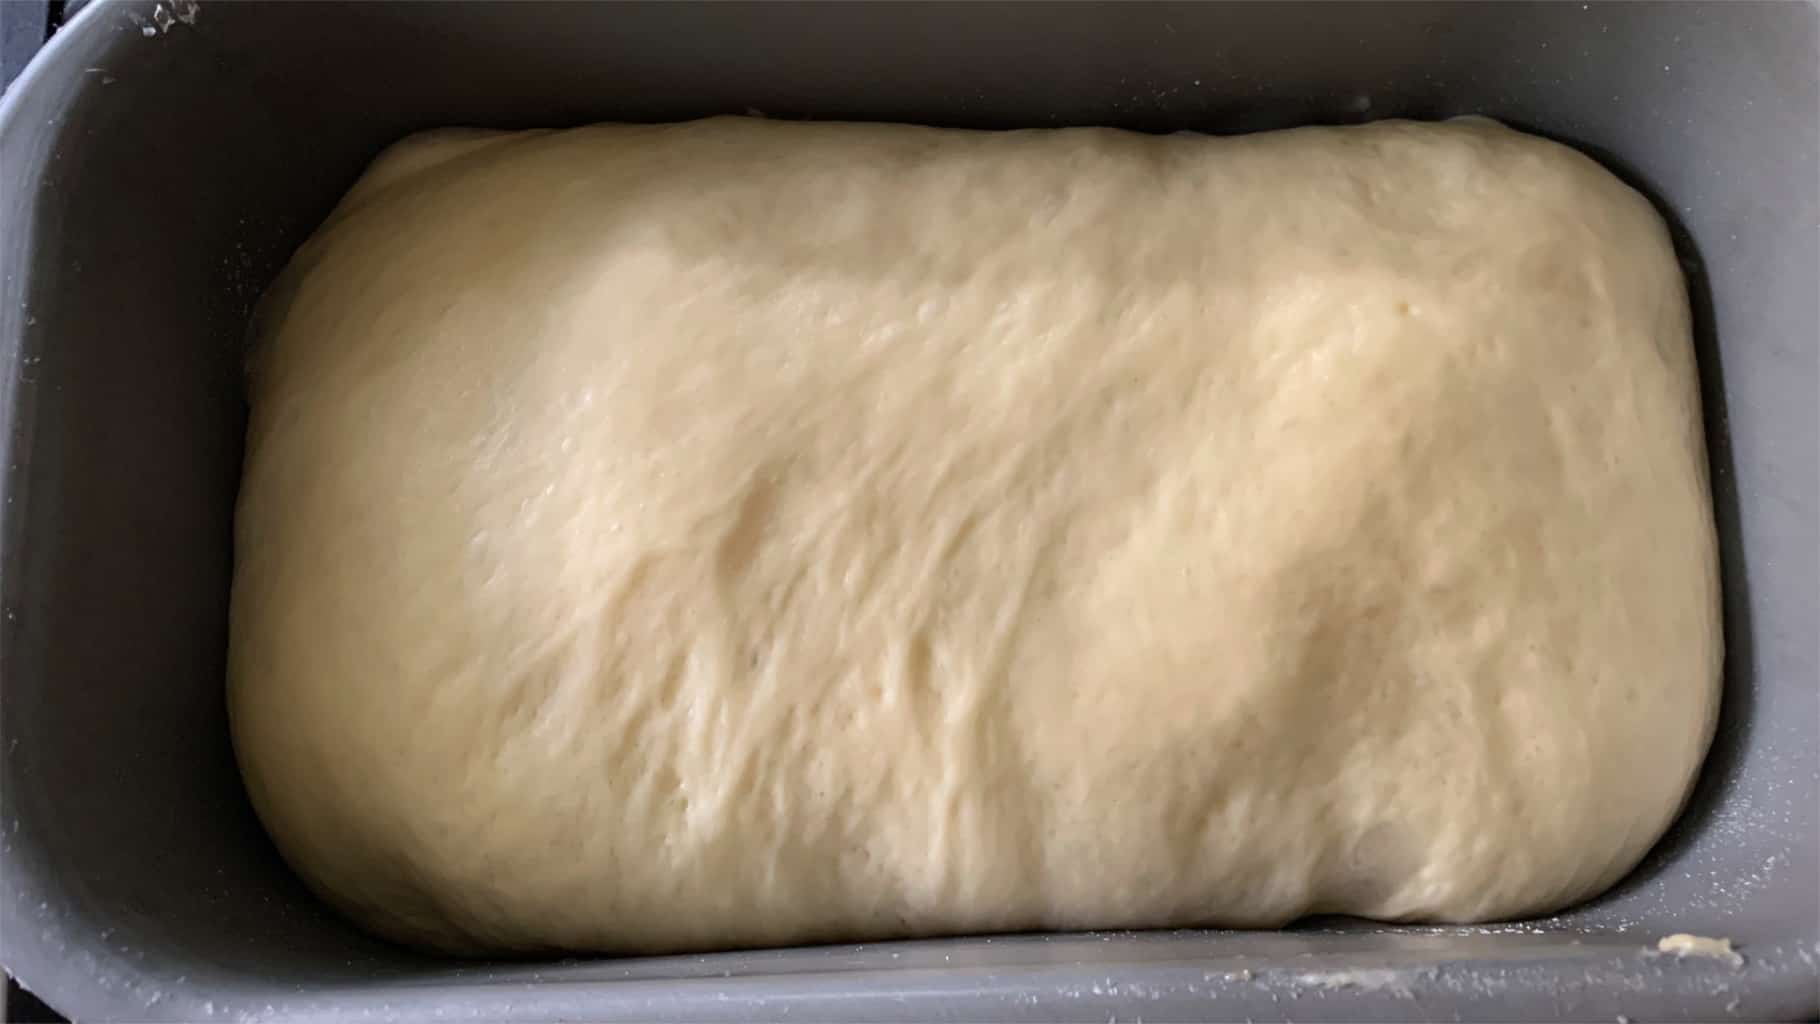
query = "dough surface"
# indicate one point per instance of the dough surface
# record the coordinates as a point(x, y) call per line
point(748, 533)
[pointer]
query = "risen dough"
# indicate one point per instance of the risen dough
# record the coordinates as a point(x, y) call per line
point(663, 538)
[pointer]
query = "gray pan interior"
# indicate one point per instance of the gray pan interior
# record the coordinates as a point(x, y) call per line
point(159, 161)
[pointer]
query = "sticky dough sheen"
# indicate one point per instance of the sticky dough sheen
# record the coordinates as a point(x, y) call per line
point(743, 533)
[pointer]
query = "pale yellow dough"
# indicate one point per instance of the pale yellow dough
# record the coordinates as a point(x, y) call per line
point(735, 533)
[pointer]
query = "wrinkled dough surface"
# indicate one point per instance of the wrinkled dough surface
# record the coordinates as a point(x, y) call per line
point(733, 533)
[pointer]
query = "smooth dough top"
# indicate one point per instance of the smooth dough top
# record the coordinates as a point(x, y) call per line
point(742, 533)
